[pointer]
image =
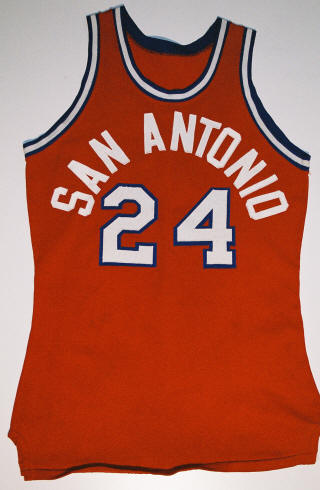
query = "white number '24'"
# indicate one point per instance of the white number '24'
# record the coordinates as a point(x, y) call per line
point(213, 208)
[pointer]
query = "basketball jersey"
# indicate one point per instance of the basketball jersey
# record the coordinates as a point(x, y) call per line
point(166, 211)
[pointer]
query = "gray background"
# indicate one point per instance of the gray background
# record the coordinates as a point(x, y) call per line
point(43, 57)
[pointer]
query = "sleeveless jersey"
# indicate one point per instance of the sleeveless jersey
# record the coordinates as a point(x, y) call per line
point(166, 211)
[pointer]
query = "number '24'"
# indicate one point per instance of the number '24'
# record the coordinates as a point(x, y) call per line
point(213, 207)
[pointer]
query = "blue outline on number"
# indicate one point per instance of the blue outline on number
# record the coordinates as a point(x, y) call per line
point(136, 247)
point(205, 250)
point(209, 217)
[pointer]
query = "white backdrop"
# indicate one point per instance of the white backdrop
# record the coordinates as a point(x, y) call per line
point(43, 57)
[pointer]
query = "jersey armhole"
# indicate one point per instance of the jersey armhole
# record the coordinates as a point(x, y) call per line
point(37, 144)
point(271, 131)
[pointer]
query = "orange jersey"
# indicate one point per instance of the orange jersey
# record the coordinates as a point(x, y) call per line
point(166, 211)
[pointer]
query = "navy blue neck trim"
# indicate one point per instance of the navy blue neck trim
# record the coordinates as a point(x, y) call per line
point(166, 46)
point(215, 38)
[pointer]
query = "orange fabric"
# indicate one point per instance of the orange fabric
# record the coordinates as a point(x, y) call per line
point(172, 367)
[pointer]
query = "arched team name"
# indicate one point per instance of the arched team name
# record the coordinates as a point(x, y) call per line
point(246, 167)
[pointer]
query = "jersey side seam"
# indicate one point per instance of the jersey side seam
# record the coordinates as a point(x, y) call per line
point(263, 120)
point(68, 118)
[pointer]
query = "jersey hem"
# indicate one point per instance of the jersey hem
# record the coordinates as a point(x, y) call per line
point(219, 466)
point(28, 472)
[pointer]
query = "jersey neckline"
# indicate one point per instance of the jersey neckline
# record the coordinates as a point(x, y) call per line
point(215, 36)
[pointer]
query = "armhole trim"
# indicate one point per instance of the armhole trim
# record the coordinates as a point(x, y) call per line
point(35, 145)
point(298, 157)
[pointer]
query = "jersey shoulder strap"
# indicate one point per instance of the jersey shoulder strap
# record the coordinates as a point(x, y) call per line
point(67, 119)
point(262, 118)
